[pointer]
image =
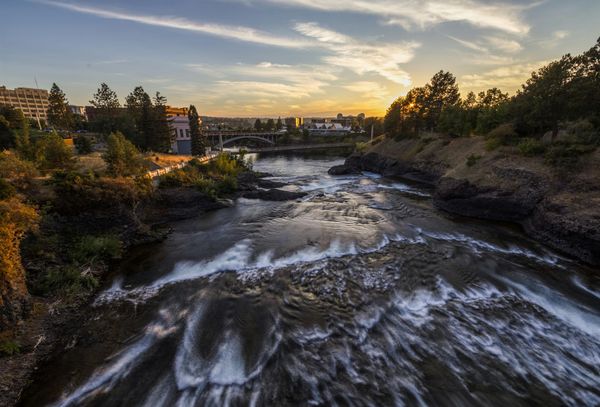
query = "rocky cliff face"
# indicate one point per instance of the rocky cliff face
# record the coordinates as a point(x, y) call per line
point(559, 208)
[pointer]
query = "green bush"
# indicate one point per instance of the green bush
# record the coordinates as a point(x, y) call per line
point(6, 189)
point(66, 280)
point(472, 160)
point(83, 145)
point(583, 131)
point(566, 155)
point(502, 135)
point(530, 147)
point(9, 348)
point(91, 248)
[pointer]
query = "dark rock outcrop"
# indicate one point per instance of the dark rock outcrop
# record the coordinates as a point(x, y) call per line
point(172, 204)
point(343, 170)
point(561, 212)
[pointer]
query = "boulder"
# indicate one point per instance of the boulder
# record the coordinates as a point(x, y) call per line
point(343, 170)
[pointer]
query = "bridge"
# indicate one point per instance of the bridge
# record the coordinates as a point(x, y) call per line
point(297, 147)
point(223, 138)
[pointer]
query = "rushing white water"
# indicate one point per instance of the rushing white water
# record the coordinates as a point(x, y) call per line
point(359, 294)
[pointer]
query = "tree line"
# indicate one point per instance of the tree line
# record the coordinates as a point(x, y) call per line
point(564, 90)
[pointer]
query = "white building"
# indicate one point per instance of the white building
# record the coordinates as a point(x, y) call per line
point(327, 129)
point(181, 142)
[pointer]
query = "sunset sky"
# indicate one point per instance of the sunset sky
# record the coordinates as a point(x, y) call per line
point(285, 57)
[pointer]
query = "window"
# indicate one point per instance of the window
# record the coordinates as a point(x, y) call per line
point(187, 132)
point(181, 133)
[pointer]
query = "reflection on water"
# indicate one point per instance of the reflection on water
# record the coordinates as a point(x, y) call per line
point(358, 294)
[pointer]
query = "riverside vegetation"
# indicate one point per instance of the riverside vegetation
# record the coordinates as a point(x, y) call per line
point(532, 158)
point(67, 214)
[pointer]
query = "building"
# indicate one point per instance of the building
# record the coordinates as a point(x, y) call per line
point(78, 111)
point(327, 129)
point(32, 102)
point(293, 122)
point(176, 111)
point(181, 142)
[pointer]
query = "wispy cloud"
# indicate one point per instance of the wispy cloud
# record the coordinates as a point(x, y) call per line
point(239, 33)
point(504, 44)
point(508, 78)
point(502, 16)
point(363, 57)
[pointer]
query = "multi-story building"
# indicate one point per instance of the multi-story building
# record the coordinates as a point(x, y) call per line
point(181, 142)
point(293, 122)
point(79, 111)
point(327, 129)
point(32, 102)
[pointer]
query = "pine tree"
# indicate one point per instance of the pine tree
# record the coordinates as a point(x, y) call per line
point(279, 124)
point(270, 125)
point(198, 141)
point(161, 131)
point(258, 125)
point(105, 99)
point(139, 107)
point(58, 113)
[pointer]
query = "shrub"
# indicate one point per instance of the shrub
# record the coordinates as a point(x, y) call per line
point(9, 348)
point(83, 145)
point(530, 147)
point(19, 172)
point(67, 280)
point(502, 135)
point(122, 158)
point(472, 160)
point(91, 248)
point(6, 189)
point(565, 155)
point(583, 131)
point(51, 152)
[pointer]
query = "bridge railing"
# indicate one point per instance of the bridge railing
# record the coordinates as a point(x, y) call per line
point(162, 171)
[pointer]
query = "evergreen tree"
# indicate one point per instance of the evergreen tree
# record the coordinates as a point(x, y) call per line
point(270, 125)
point(108, 116)
point(105, 100)
point(139, 106)
point(258, 125)
point(59, 115)
point(198, 141)
point(161, 131)
point(121, 157)
point(442, 91)
point(279, 124)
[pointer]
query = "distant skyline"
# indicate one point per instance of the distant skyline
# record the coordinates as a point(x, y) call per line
point(274, 58)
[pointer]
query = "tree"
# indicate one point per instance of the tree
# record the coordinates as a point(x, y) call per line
point(440, 92)
point(160, 139)
point(7, 137)
point(83, 145)
point(52, 152)
point(105, 100)
point(258, 125)
point(270, 125)
point(139, 106)
point(198, 142)
point(279, 124)
point(23, 143)
point(59, 115)
point(121, 157)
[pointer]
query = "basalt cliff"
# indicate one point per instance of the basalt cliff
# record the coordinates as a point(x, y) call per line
point(559, 207)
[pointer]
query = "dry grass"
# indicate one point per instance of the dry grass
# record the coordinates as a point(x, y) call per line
point(91, 162)
point(160, 160)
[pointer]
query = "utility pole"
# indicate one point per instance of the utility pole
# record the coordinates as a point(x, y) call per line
point(372, 127)
point(37, 116)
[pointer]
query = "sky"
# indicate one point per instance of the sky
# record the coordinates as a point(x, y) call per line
point(269, 58)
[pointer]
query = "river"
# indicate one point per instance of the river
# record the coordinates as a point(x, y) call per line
point(361, 293)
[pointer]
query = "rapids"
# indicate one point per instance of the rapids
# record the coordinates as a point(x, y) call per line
point(361, 294)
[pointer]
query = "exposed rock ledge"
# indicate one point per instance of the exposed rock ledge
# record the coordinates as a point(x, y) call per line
point(559, 209)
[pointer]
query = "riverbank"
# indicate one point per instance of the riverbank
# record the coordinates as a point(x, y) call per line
point(557, 206)
point(53, 321)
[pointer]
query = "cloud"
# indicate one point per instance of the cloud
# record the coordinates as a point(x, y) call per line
point(239, 33)
point(505, 45)
point(363, 57)
point(502, 16)
point(507, 78)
